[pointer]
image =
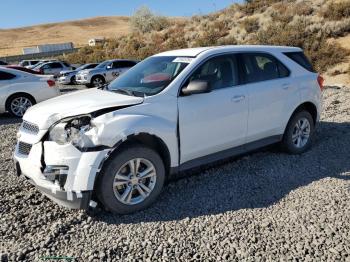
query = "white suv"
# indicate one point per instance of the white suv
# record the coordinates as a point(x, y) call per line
point(177, 110)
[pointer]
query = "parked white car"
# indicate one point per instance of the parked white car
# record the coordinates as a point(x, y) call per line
point(105, 72)
point(174, 111)
point(20, 90)
point(53, 68)
point(68, 77)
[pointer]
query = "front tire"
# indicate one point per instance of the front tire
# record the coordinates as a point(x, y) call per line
point(131, 180)
point(299, 133)
point(18, 104)
point(97, 81)
point(73, 81)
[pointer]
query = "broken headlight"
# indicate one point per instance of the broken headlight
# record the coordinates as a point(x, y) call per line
point(72, 130)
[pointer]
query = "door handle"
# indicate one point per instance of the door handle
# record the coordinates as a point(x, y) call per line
point(237, 98)
point(285, 86)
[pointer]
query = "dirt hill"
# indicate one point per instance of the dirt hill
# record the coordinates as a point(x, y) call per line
point(79, 32)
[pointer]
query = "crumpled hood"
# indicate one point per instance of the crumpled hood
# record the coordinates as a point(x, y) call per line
point(50, 111)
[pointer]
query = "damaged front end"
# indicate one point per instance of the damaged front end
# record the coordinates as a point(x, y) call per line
point(64, 161)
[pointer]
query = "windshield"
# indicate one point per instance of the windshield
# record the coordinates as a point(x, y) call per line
point(150, 76)
point(82, 67)
point(103, 64)
point(38, 65)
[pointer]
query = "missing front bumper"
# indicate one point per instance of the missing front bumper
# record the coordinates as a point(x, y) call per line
point(72, 200)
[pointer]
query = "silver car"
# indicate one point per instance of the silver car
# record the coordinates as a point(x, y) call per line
point(105, 72)
point(53, 68)
point(68, 77)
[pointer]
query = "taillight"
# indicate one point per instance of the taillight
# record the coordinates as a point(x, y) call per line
point(51, 83)
point(320, 81)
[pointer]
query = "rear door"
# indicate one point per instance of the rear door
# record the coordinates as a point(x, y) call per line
point(53, 68)
point(125, 66)
point(119, 68)
point(269, 88)
point(56, 68)
point(112, 71)
point(213, 122)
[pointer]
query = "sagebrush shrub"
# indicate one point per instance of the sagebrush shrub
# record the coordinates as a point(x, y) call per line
point(145, 21)
point(250, 24)
point(336, 10)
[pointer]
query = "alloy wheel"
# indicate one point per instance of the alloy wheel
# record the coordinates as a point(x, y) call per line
point(134, 181)
point(301, 132)
point(98, 82)
point(19, 105)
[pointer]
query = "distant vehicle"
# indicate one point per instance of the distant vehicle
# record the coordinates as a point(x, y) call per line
point(20, 90)
point(105, 72)
point(24, 69)
point(3, 63)
point(28, 63)
point(68, 77)
point(40, 63)
point(53, 68)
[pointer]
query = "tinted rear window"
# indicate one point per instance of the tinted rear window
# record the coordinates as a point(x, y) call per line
point(301, 59)
point(262, 67)
point(6, 76)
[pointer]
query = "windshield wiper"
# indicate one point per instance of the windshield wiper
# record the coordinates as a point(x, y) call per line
point(123, 91)
point(103, 87)
point(129, 92)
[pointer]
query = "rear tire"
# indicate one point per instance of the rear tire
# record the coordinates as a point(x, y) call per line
point(18, 104)
point(131, 180)
point(299, 133)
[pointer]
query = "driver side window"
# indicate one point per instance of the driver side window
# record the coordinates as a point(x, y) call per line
point(220, 72)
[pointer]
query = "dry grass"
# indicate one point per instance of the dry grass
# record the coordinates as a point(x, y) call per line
point(79, 32)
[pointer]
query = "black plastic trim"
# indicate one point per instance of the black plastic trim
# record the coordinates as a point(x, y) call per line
point(232, 152)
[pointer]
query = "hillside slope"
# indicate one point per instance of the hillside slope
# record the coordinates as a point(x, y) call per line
point(79, 32)
point(320, 27)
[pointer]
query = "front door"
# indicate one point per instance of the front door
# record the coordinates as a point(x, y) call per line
point(215, 121)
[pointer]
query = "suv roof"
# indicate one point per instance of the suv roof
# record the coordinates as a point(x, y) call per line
point(193, 52)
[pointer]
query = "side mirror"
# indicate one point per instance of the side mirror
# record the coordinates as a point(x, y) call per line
point(196, 87)
point(109, 67)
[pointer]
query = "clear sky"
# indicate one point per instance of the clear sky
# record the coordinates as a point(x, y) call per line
point(18, 13)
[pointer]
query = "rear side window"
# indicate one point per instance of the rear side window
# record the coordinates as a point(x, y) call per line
point(55, 65)
point(125, 64)
point(6, 76)
point(261, 67)
point(301, 59)
point(91, 66)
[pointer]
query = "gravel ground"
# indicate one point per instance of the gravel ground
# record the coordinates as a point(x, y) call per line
point(266, 206)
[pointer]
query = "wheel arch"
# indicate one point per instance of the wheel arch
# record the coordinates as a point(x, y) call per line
point(149, 140)
point(18, 94)
point(98, 75)
point(307, 106)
